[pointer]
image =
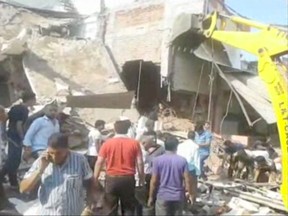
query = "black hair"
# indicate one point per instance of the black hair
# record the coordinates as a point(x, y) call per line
point(99, 123)
point(121, 127)
point(199, 128)
point(58, 140)
point(227, 142)
point(171, 143)
point(165, 136)
point(191, 135)
point(151, 133)
point(28, 95)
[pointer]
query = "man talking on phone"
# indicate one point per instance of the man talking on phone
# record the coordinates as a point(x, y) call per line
point(61, 174)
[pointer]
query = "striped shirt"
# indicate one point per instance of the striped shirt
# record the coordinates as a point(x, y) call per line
point(61, 189)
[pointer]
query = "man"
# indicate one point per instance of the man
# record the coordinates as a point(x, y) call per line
point(207, 127)
point(95, 140)
point(189, 150)
point(36, 138)
point(131, 130)
point(170, 172)
point(203, 138)
point(145, 124)
point(122, 156)
point(230, 149)
point(17, 116)
point(150, 150)
point(61, 174)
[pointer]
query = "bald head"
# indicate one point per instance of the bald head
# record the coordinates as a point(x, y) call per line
point(147, 141)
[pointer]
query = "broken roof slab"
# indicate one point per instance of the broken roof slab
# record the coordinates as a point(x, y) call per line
point(79, 64)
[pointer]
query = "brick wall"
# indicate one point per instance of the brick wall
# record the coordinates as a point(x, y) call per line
point(135, 33)
point(139, 16)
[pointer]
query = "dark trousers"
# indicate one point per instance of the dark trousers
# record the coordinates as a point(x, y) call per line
point(141, 208)
point(13, 161)
point(203, 158)
point(169, 208)
point(3, 198)
point(120, 188)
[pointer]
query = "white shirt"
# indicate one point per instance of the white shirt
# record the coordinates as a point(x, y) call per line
point(256, 153)
point(160, 142)
point(94, 137)
point(141, 127)
point(189, 150)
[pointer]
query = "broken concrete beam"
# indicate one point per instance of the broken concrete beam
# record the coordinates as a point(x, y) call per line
point(236, 202)
point(258, 199)
point(109, 101)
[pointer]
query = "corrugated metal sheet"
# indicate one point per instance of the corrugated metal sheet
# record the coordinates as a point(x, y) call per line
point(252, 90)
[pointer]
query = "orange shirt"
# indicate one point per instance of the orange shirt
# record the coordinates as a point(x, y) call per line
point(121, 155)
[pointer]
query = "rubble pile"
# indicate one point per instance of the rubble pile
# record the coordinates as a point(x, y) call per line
point(177, 124)
point(232, 198)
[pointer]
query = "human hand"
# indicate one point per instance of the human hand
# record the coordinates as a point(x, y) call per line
point(150, 202)
point(44, 161)
point(141, 181)
point(190, 199)
point(27, 153)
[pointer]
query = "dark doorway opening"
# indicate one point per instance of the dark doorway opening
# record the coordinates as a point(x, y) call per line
point(13, 80)
point(143, 78)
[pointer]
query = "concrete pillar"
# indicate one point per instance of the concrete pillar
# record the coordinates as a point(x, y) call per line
point(219, 106)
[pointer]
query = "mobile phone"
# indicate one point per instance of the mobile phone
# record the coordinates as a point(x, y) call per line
point(49, 158)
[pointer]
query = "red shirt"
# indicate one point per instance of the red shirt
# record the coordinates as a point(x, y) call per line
point(121, 155)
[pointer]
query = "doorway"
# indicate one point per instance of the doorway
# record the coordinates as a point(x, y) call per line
point(143, 78)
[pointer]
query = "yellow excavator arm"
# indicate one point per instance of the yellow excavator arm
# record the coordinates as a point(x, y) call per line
point(268, 43)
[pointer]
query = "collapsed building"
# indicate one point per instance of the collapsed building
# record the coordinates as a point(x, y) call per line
point(101, 50)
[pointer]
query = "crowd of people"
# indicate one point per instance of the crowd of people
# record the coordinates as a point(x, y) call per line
point(258, 162)
point(134, 158)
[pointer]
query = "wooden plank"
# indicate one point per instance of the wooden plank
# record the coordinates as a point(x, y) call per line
point(109, 101)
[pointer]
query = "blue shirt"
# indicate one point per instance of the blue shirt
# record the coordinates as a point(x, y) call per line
point(205, 137)
point(39, 132)
point(61, 188)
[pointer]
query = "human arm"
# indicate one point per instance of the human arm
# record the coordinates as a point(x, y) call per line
point(31, 132)
point(153, 186)
point(140, 165)
point(98, 143)
point(188, 185)
point(153, 182)
point(103, 153)
point(33, 176)
point(207, 140)
point(98, 167)
point(87, 176)
point(27, 142)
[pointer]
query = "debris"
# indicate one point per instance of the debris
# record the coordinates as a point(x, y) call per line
point(238, 202)
point(259, 199)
